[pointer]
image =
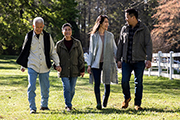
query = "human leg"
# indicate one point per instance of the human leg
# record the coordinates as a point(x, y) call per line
point(32, 76)
point(67, 91)
point(106, 94)
point(126, 74)
point(72, 84)
point(138, 80)
point(44, 84)
point(97, 80)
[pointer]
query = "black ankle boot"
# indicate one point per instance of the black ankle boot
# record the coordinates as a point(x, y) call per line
point(105, 100)
point(98, 100)
point(99, 107)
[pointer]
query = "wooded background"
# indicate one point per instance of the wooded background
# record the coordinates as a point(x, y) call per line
point(161, 16)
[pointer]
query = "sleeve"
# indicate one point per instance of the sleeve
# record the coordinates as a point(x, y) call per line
point(148, 44)
point(80, 57)
point(90, 50)
point(25, 40)
point(114, 47)
point(53, 53)
point(120, 47)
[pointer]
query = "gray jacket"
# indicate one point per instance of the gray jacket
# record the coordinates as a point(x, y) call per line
point(109, 64)
point(142, 44)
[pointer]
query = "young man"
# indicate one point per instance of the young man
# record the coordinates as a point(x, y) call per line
point(37, 52)
point(134, 48)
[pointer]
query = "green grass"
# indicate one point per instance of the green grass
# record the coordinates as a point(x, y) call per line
point(161, 98)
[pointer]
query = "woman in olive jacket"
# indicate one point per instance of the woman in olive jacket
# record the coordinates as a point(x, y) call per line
point(71, 59)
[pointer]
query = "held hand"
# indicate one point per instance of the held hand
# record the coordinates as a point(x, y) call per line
point(148, 64)
point(119, 64)
point(22, 69)
point(89, 70)
point(82, 74)
point(58, 68)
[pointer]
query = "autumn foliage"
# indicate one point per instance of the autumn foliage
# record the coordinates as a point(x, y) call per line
point(166, 34)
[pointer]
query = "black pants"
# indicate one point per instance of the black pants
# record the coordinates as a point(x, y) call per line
point(97, 79)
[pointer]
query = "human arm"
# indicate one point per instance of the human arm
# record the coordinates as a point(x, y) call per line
point(54, 55)
point(22, 69)
point(148, 45)
point(81, 60)
point(119, 50)
point(90, 54)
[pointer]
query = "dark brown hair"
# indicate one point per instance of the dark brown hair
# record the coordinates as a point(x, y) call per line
point(99, 20)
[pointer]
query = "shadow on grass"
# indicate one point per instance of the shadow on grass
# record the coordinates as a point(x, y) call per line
point(111, 111)
point(162, 86)
point(14, 80)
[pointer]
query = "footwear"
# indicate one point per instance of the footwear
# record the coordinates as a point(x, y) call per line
point(69, 109)
point(125, 103)
point(99, 107)
point(138, 107)
point(44, 108)
point(32, 111)
point(105, 101)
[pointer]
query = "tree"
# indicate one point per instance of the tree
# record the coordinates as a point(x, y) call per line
point(17, 16)
point(166, 34)
point(90, 9)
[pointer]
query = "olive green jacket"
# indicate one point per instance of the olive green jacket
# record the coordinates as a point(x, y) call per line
point(71, 61)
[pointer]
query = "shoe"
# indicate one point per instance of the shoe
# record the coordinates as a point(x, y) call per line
point(99, 107)
point(125, 103)
point(44, 108)
point(69, 109)
point(32, 111)
point(105, 101)
point(138, 107)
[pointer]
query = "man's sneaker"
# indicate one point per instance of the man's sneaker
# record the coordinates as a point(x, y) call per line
point(125, 103)
point(32, 111)
point(44, 108)
point(69, 109)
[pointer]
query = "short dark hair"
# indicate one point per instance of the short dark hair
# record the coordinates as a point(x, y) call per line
point(66, 24)
point(132, 12)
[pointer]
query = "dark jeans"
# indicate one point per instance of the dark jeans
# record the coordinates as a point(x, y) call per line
point(97, 80)
point(138, 68)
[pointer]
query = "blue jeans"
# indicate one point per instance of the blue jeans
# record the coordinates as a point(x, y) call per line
point(138, 68)
point(69, 84)
point(44, 84)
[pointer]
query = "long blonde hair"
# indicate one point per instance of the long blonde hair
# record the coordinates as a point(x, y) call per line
point(99, 20)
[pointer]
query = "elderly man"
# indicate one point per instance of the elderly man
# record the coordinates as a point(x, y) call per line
point(37, 52)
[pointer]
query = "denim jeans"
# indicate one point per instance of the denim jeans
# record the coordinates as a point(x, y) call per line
point(97, 80)
point(44, 85)
point(138, 68)
point(69, 84)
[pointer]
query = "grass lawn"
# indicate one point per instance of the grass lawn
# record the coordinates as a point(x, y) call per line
point(161, 98)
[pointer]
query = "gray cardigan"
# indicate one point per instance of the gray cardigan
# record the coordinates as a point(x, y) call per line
point(109, 63)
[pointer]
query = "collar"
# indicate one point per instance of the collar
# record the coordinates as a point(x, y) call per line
point(34, 34)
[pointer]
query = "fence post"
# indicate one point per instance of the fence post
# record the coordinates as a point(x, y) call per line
point(171, 65)
point(159, 63)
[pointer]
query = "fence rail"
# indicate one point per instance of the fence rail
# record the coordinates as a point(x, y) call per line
point(164, 64)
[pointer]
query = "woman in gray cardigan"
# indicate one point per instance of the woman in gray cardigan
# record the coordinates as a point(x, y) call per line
point(102, 51)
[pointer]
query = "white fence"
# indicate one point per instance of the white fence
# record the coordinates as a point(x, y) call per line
point(163, 64)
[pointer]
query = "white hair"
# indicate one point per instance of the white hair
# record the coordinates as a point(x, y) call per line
point(38, 19)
